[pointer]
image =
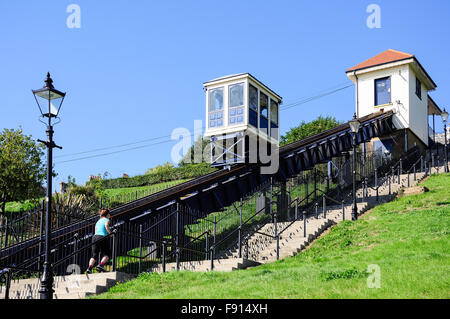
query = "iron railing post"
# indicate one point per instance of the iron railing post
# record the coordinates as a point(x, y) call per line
point(271, 198)
point(366, 183)
point(75, 249)
point(315, 187)
point(317, 210)
point(240, 230)
point(421, 164)
point(306, 192)
point(343, 210)
point(246, 249)
point(215, 223)
point(414, 170)
point(408, 178)
point(288, 203)
point(389, 178)
point(363, 184)
point(114, 253)
point(376, 178)
point(140, 249)
point(164, 256)
point(324, 206)
point(177, 225)
point(7, 284)
point(304, 223)
point(206, 244)
point(276, 236)
point(296, 208)
point(212, 257)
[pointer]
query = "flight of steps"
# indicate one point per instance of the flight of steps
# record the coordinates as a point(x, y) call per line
point(67, 287)
point(205, 265)
point(262, 248)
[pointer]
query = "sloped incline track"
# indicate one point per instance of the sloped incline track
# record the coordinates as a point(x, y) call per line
point(208, 193)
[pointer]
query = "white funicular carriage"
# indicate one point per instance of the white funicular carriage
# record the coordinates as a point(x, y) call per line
point(242, 118)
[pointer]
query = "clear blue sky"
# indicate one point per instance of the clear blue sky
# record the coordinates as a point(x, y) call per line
point(134, 70)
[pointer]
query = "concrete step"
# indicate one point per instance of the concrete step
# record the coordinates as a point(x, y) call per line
point(228, 264)
point(67, 286)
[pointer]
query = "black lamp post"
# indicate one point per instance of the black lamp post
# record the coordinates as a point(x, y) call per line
point(354, 126)
point(49, 101)
point(444, 115)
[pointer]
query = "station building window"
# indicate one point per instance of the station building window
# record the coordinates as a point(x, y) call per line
point(215, 107)
point(383, 91)
point(253, 105)
point(418, 88)
point(236, 103)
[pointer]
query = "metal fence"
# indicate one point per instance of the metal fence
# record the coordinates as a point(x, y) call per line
point(176, 233)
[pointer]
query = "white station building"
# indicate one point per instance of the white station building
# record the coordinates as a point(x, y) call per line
point(394, 80)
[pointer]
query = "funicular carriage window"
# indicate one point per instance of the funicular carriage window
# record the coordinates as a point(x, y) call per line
point(253, 105)
point(273, 118)
point(236, 103)
point(263, 109)
point(215, 102)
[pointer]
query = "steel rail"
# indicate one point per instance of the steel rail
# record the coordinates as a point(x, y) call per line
point(199, 184)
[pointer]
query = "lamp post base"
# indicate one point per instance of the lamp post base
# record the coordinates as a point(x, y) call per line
point(354, 211)
point(46, 290)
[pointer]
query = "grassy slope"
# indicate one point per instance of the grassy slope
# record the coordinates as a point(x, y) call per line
point(151, 188)
point(407, 238)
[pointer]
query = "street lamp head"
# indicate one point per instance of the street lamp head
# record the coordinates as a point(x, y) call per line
point(354, 124)
point(444, 115)
point(49, 99)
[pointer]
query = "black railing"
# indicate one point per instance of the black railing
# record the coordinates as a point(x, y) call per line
point(177, 233)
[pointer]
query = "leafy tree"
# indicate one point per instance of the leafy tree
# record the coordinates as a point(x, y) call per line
point(71, 181)
point(21, 169)
point(306, 129)
point(166, 167)
point(98, 185)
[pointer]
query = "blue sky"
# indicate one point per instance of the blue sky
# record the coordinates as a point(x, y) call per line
point(134, 70)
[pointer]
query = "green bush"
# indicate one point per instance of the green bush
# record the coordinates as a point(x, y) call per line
point(306, 129)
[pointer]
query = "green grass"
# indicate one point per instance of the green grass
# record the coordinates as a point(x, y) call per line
point(150, 188)
point(407, 238)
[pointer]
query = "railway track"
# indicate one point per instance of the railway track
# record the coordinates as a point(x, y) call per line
point(218, 189)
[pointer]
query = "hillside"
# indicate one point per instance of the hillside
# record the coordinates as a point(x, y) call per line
point(407, 239)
